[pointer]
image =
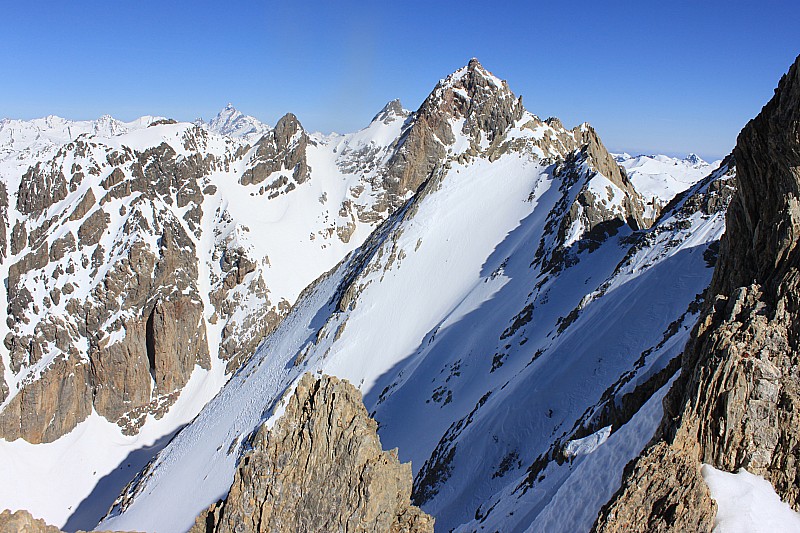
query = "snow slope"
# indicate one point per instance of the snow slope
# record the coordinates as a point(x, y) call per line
point(477, 363)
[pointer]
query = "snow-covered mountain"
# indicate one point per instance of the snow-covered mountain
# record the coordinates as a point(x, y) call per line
point(29, 139)
point(143, 265)
point(658, 178)
point(230, 122)
point(512, 327)
point(496, 285)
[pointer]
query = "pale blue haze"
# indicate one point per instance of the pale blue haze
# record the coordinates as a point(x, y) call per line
point(650, 76)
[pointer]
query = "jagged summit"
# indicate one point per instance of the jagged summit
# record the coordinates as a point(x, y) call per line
point(695, 160)
point(473, 102)
point(232, 122)
point(473, 70)
point(391, 111)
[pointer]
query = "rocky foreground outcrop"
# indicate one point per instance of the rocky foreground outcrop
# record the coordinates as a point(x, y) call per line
point(737, 401)
point(321, 468)
point(24, 522)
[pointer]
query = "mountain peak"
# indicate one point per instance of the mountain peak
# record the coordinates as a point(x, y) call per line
point(233, 123)
point(473, 90)
point(474, 74)
point(227, 112)
point(390, 112)
point(694, 160)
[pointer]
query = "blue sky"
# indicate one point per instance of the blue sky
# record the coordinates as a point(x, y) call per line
point(650, 76)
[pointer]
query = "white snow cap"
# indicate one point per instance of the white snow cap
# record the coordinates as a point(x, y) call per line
point(694, 159)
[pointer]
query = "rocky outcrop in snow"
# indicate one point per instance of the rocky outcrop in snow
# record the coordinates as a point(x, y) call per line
point(737, 402)
point(23, 522)
point(282, 149)
point(320, 468)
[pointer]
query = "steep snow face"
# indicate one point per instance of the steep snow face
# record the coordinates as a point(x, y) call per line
point(250, 249)
point(479, 360)
point(658, 178)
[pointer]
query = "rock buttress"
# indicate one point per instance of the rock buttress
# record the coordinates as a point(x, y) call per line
point(737, 401)
point(321, 468)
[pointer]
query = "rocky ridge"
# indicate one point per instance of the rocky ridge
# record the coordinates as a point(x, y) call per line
point(320, 468)
point(734, 405)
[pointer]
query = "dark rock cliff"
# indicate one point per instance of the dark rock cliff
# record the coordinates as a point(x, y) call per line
point(737, 401)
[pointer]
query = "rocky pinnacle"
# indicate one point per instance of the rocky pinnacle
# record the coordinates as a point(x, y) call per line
point(320, 468)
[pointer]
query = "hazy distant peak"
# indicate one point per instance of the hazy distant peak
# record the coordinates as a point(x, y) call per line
point(695, 160)
point(233, 123)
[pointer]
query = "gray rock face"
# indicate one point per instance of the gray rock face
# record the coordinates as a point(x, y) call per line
point(487, 106)
point(3, 384)
point(598, 157)
point(669, 495)
point(3, 222)
point(41, 187)
point(605, 201)
point(737, 402)
point(83, 207)
point(282, 149)
point(240, 338)
point(50, 406)
point(321, 468)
